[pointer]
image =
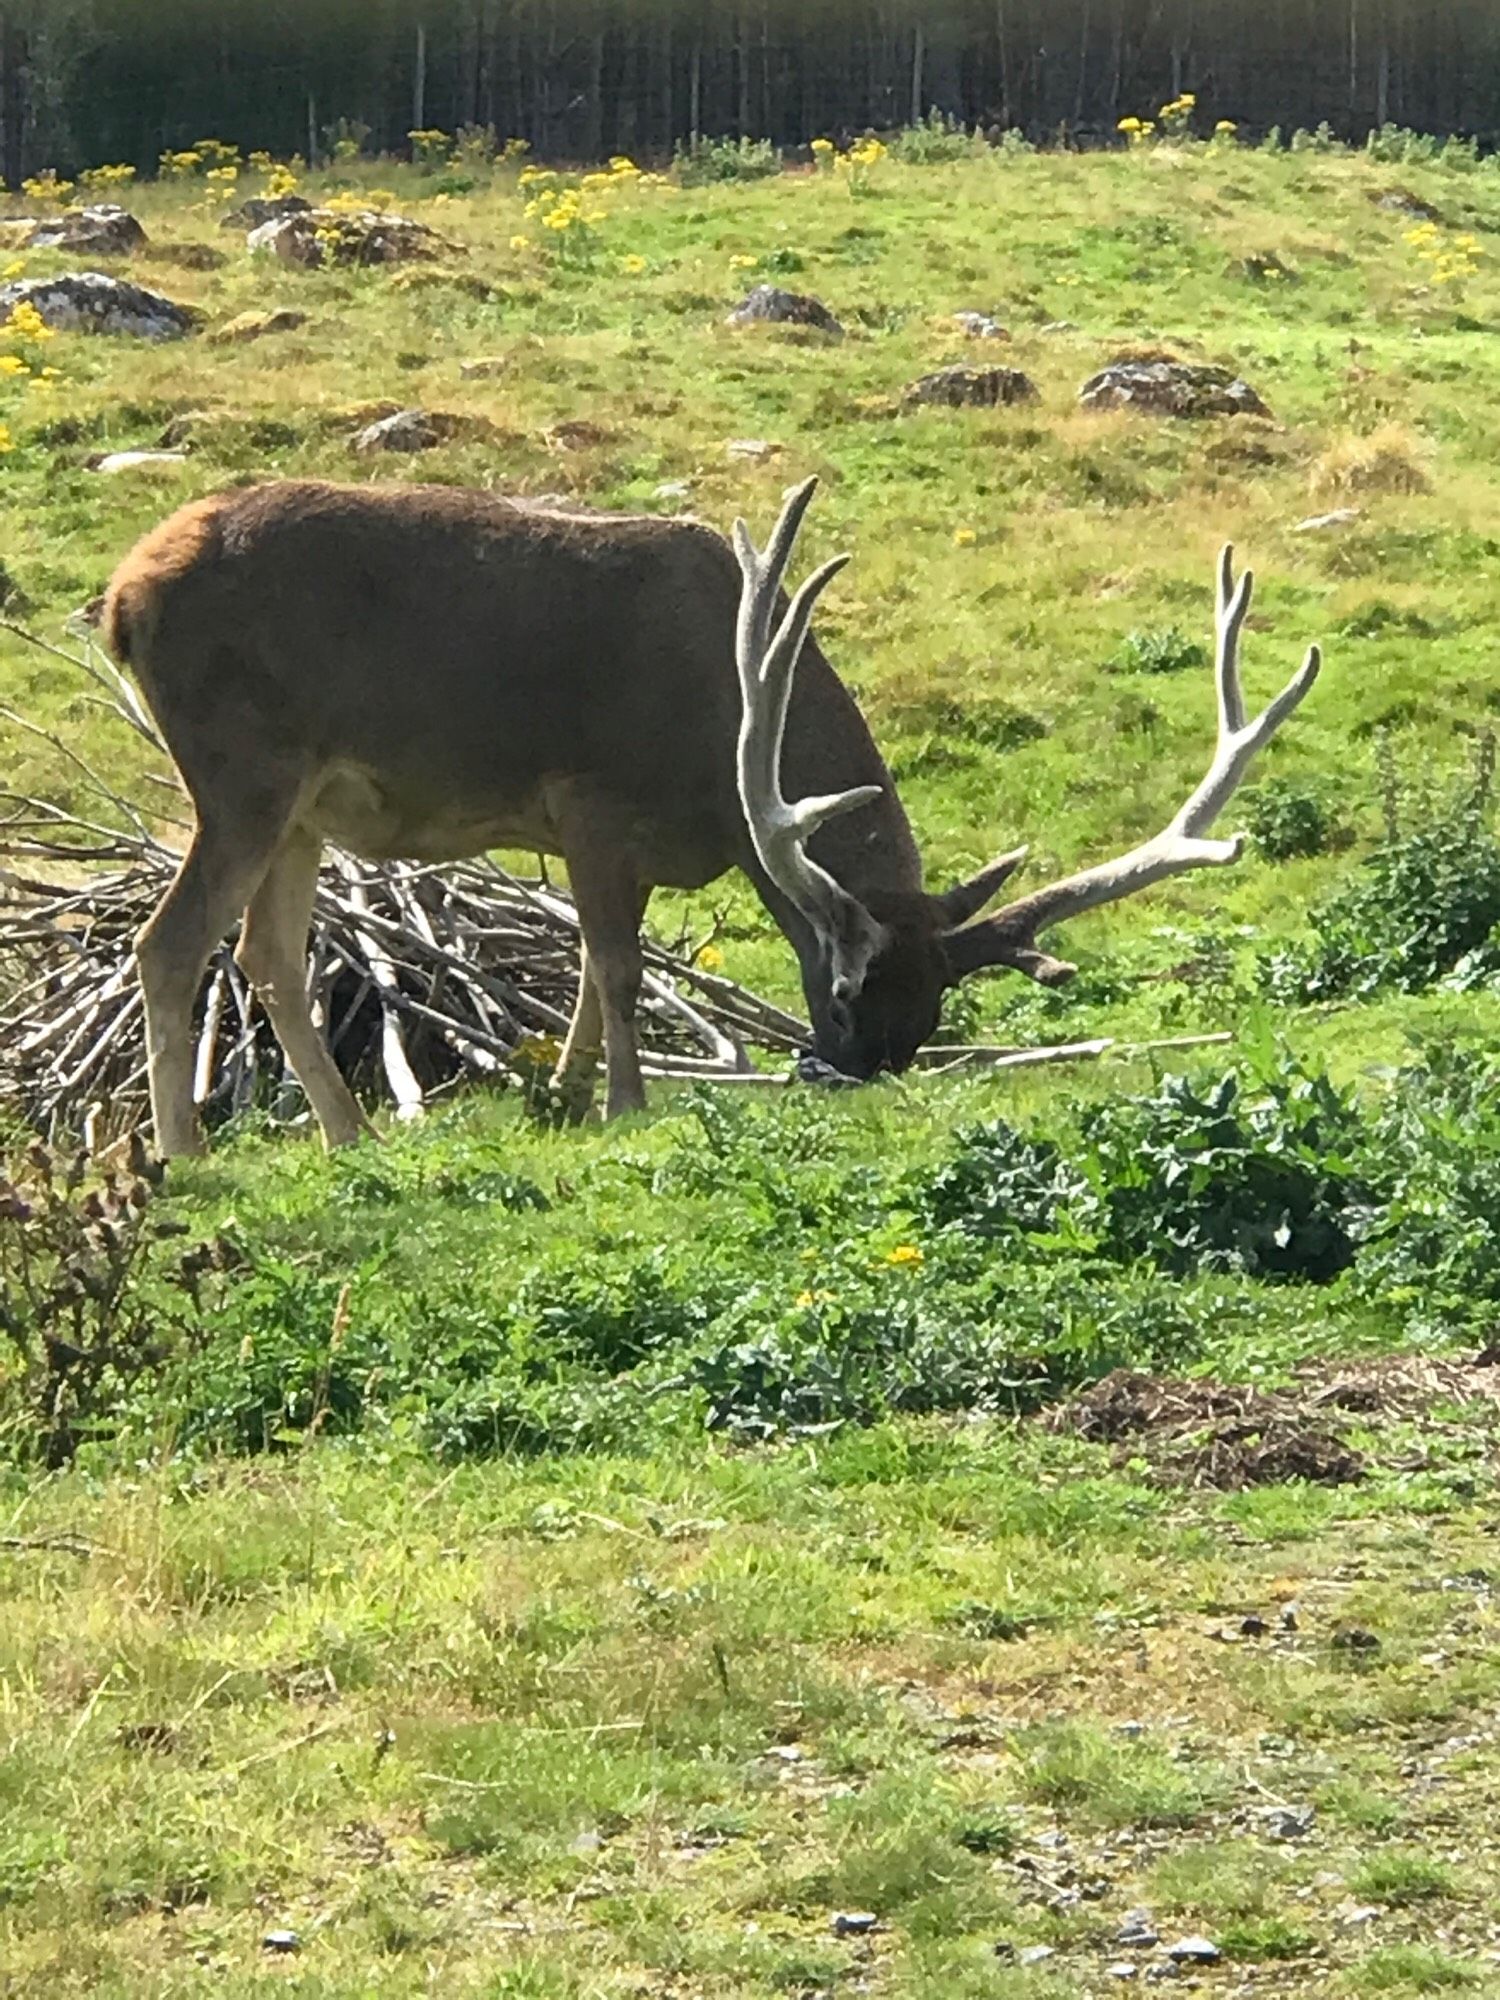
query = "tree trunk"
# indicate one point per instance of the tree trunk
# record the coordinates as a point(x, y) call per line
point(419, 82)
point(918, 57)
point(15, 101)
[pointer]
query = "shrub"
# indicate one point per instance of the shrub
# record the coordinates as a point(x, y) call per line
point(1287, 821)
point(1167, 651)
point(935, 140)
point(1424, 905)
point(1254, 1174)
point(1389, 460)
point(702, 161)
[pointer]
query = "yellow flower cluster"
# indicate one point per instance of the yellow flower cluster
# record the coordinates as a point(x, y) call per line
point(1178, 115)
point(571, 215)
point(259, 163)
point(907, 1254)
point(1451, 261)
point(47, 187)
point(103, 180)
point(180, 166)
point(7, 442)
point(23, 335)
point(857, 165)
point(282, 181)
point(1139, 131)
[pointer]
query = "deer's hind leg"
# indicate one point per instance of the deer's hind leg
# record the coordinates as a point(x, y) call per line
point(273, 953)
point(220, 872)
point(611, 902)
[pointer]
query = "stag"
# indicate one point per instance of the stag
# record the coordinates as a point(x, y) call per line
point(424, 673)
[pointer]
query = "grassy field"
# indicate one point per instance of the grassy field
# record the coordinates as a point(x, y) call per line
point(521, 1563)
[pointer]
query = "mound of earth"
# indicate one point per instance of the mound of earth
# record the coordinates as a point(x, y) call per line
point(1166, 388)
point(90, 302)
point(1230, 1436)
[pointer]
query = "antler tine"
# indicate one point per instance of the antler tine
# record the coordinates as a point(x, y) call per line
point(1233, 604)
point(779, 830)
point(1008, 938)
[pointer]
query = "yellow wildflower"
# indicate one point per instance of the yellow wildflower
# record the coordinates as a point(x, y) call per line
point(905, 1255)
point(520, 243)
point(15, 269)
point(964, 538)
point(7, 442)
point(1227, 127)
point(633, 265)
point(741, 262)
point(709, 958)
point(12, 364)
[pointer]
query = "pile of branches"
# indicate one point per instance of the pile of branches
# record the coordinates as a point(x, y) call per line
point(422, 978)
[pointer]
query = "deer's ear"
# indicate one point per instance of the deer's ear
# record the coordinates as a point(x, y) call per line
point(966, 899)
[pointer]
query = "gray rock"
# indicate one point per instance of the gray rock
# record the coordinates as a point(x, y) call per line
point(281, 1941)
point(263, 208)
point(768, 303)
point(1171, 389)
point(586, 1843)
point(90, 302)
point(248, 326)
point(129, 461)
point(407, 430)
point(103, 229)
point(971, 388)
point(1287, 1822)
point(853, 1923)
point(314, 237)
point(1319, 524)
point(1123, 1968)
point(1034, 1954)
point(1194, 1951)
point(1137, 1933)
point(979, 326)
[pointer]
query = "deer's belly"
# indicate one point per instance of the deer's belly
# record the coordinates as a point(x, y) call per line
point(355, 810)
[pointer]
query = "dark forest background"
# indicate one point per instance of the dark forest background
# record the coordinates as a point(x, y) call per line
point(86, 81)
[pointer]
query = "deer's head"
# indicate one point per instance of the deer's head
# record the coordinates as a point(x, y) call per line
point(875, 971)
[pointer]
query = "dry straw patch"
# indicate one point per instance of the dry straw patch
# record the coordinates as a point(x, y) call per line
point(1393, 459)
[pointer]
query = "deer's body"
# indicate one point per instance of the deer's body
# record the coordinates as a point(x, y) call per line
point(425, 672)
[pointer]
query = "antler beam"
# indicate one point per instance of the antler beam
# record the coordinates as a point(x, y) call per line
point(1009, 937)
point(779, 828)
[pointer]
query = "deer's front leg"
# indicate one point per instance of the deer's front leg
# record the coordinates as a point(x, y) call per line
point(611, 902)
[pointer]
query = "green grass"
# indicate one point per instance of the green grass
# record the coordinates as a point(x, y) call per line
point(412, 1603)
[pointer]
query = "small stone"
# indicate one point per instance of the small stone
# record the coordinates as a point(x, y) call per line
point(1123, 1968)
point(674, 489)
point(1137, 1933)
point(1034, 1954)
point(1253, 1627)
point(1289, 1611)
point(751, 448)
point(482, 366)
point(769, 303)
point(1004, 1949)
point(1287, 1822)
point(1327, 524)
point(1059, 326)
point(1354, 1639)
point(1131, 1731)
point(248, 326)
point(262, 208)
point(1358, 1914)
point(310, 238)
point(854, 1923)
point(970, 388)
point(1194, 1951)
point(979, 326)
point(586, 1843)
point(407, 430)
point(132, 461)
point(281, 1941)
point(787, 1753)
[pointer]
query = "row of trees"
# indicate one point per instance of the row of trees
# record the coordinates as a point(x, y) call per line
point(90, 80)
